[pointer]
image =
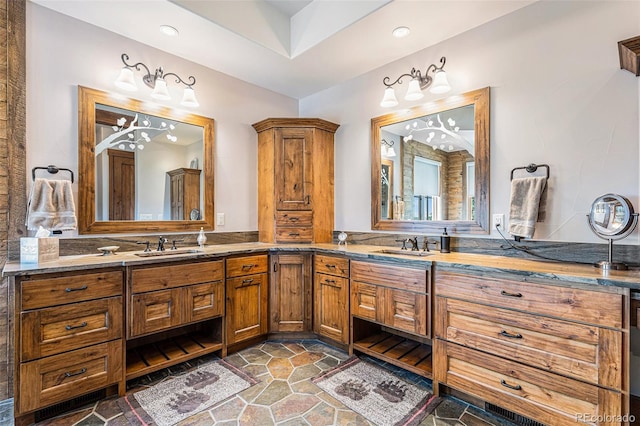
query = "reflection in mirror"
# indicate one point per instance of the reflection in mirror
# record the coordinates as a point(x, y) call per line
point(441, 163)
point(142, 167)
point(135, 151)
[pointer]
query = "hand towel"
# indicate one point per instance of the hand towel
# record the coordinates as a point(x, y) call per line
point(526, 195)
point(51, 205)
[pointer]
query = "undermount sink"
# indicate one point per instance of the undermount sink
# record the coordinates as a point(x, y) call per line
point(166, 252)
point(404, 252)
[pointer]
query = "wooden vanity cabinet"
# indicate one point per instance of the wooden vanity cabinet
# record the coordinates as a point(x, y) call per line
point(247, 298)
point(175, 313)
point(331, 297)
point(552, 354)
point(290, 301)
point(295, 180)
point(391, 314)
point(68, 337)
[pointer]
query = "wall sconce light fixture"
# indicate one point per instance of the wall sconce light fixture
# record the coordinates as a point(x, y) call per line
point(438, 84)
point(156, 81)
point(388, 152)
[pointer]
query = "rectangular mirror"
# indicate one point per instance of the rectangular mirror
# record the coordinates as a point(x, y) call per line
point(142, 167)
point(438, 155)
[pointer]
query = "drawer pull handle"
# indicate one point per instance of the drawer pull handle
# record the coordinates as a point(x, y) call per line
point(248, 266)
point(294, 234)
point(247, 281)
point(505, 333)
point(67, 374)
point(507, 385)
point(506, 293)
point(294, 219)
point(71, 327)
point(308, 198)
point(328, 281)
point(330, 266)
point(69, 289)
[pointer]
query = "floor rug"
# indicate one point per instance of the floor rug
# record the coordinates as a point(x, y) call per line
point(377, 394)
point(173, 400)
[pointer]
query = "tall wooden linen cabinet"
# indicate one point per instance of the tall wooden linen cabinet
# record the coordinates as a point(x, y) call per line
point(295, 180)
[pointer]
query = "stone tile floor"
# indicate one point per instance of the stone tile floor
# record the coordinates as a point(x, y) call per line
point(285, 395)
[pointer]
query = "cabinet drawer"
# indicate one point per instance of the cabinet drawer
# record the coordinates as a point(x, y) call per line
point(41, 293)
point(61, 377)
point(170, 276)
point(537, 394)
point(391, 276)
point(584, 352)
point(239, 266)
point(59, 329)
point(294, 219)
point(366, 301)
point(338, 266)
point(204, 301)
point(155, 311)
point(592, 307)
point(294, 235)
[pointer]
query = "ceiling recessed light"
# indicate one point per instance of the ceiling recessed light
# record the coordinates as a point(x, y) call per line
point(401, 32)
point(168, 30)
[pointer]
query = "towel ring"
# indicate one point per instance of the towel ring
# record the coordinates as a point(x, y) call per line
point(51, 169)
point(531, 168)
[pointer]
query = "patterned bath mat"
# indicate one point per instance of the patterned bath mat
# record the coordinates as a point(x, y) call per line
point(173, 400)
point(377, 394)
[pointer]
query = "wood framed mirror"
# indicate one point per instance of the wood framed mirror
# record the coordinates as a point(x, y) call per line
point(440, 159)
point(142, 167)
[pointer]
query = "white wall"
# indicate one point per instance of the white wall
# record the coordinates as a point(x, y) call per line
point(558, 96)
point(63, 53)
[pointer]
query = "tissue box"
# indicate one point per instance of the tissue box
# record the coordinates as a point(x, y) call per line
point(37, 250)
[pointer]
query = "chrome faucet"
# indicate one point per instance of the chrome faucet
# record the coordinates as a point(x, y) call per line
point(414, 243)
point(161, 242)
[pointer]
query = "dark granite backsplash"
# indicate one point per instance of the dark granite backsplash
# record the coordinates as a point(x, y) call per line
point(549, 250)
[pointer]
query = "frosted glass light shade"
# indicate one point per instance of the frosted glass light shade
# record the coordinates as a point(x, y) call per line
point(125, 80)
point(383, 151)
point(189, 98)
point(413, 92)
point(440, 83)
point(391, 152)
point(160, 91)
point(389, 100)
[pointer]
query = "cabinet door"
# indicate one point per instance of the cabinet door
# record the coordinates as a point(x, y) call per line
point(332, 307)
point(406, 311)
point(367, 301)
point(246, 307)
point(293, 170)
point(154, 311)
point(290, 298)
point(204, 301)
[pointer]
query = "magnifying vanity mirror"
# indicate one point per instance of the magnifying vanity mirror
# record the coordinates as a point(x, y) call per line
point(430, 167)
point(612, 218)
point(142, 167)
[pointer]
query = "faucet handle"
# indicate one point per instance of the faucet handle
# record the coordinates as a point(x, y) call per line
point(147, 249)
point(173, 244)
point(404, 243)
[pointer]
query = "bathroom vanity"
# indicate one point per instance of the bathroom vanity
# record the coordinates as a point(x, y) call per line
point(546, 341)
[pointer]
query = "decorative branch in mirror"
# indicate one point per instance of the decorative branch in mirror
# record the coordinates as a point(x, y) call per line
point(138, 167)
point(441, 170)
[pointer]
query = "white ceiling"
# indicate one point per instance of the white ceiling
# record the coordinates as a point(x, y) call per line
point(293, 47)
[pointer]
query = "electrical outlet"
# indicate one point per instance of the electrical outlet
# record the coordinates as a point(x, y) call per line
point(220, 219)
point(498, 221)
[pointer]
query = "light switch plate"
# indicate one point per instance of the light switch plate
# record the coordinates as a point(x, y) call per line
point(220, 219)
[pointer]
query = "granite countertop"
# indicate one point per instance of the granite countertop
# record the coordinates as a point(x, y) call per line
point(456, 262)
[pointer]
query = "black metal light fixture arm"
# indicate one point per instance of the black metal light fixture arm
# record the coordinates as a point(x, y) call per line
point(414, 73)
point(125, 58)
point(192, 79)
